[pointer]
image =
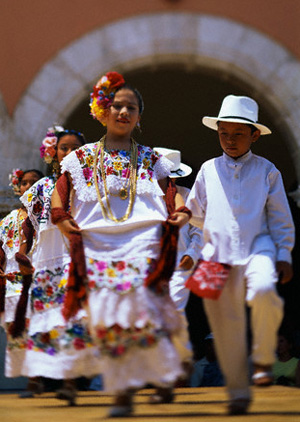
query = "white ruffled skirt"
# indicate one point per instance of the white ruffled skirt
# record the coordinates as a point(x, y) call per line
point(134, 334)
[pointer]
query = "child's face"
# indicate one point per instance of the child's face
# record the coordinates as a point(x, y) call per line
point(67, 144)
point(236, 138)
point(28, 180)
point(123, 115)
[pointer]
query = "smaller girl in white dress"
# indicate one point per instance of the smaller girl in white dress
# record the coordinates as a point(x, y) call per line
point(55, 348)
point(11, 278)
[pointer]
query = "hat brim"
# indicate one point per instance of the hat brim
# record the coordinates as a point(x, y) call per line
point(211, 122)
point(183, 171)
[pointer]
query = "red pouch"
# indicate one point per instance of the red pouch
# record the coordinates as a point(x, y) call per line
point(208, 279)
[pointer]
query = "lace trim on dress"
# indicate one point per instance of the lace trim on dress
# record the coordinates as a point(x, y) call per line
point(80, 165)
point(162, 167)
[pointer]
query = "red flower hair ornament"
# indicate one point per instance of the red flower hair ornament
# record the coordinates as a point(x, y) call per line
point(15, 178)
point(104, 92)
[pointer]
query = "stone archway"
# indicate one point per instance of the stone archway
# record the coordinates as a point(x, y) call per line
point(150, 41)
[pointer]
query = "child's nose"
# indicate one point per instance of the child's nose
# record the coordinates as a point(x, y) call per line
point(124, 110)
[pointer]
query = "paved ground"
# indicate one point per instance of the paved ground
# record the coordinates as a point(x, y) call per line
point(191, 404)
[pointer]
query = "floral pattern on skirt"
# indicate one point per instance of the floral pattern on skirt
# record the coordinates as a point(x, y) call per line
point(115, 341)
point(120, 276)
point(73, 337)
point(18, 343)
point(49, 288)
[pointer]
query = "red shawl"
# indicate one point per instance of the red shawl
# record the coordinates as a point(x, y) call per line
point(76, 289)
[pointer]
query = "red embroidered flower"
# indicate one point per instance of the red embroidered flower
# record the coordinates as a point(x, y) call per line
point(79, 344)
point(45, 337)
point(80, 154)
point(37, 208)
point(121, 265)
point(38, 305)
point(49, 291)
point(101, 332)
point(10, 233)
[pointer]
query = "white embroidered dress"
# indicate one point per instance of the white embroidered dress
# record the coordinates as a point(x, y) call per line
point(10, 228)
point(130, 323)
point(56, 349)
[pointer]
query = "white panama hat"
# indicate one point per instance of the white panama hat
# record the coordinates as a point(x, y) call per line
point(237, 110)
point(179, 169)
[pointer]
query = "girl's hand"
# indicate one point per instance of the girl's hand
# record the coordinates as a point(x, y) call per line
point(24, 270)
point(67, 227)
point(285, 271)
point(186, 262)
point(178, 219)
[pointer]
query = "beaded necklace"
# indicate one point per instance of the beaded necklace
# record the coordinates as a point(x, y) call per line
point(131, 179)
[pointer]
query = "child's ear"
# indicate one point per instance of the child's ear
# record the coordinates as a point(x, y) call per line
point(255, 135)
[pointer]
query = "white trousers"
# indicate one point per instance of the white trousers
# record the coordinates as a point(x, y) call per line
point(255, 284)
point(180, 295)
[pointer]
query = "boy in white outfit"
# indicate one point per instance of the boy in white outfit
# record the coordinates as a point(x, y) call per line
point(238, 199)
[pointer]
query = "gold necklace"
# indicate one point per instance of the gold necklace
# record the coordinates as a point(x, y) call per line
point(123, 192)
point(131, 175)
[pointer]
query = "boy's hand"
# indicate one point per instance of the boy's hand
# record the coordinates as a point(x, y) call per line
point(178, 219)
point(68, 227)
point(186, 262)
point(285, 271)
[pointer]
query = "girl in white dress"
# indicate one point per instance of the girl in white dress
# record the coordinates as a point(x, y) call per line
point(55, 348)
point(10, 237)
point(118, 208)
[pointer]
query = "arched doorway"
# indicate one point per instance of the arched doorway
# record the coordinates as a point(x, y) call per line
point(176, 99)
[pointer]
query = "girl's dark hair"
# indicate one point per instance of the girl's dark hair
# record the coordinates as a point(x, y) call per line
point(37, 172)
point(79, 135)
point(136, 93)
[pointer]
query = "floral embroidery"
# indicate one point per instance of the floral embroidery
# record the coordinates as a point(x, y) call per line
point(18, 343)
point(116, 162)
point(38, 200)
point(76, 336)
point(120, 276)
point(115, 341)
point(49, 288)
point(9, 232)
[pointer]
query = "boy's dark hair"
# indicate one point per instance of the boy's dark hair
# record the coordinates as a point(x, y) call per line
point(252, 127)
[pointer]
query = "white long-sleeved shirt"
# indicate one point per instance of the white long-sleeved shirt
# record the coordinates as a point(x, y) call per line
point(242, 208)
point(190, 240)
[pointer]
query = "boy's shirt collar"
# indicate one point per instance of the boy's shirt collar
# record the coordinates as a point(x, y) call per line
point(238, 161)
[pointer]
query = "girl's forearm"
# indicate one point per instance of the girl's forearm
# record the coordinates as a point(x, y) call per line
point(179, 202)
point(55, 200)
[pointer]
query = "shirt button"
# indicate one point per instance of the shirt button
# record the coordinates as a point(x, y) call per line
point(236, 176)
